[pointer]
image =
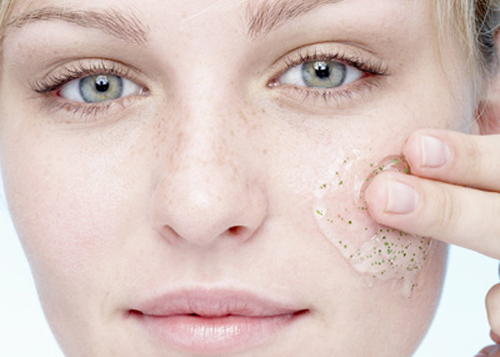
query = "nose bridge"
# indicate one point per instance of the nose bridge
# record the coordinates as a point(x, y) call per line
point(207, 145)
point(208, 166)
point(205, 191)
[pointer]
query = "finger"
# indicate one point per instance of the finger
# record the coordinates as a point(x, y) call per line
point(490, 351)
point(493, 308)
point(454, 157)
point(495, 337)
point(453, 214)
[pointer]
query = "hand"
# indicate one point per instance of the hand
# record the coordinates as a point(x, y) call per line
point(491, 351)
point(493, 307)
point(452, 194)
point(433, 201)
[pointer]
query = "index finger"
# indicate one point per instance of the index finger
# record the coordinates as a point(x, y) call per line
point(461, 159)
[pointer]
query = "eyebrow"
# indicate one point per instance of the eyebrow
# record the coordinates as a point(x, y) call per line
point(126, 27)
point(264, 17)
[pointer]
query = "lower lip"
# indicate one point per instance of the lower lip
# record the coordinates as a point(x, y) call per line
point(207, 335)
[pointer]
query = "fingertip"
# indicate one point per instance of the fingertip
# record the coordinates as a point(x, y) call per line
point(412, 150)
point(428, 152)
point(493, 308)
point(391, 199)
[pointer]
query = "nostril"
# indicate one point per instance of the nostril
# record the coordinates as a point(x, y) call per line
point(237, 231)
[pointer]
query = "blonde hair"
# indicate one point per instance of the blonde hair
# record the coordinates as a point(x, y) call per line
point(475, 21)
point(5, 11)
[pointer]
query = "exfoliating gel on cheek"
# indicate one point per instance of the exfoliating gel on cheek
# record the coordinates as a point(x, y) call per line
point(376, 251)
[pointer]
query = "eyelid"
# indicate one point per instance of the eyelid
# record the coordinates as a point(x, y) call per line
point(287, 78)
point(48, 86)
point(61, 76)
point(365, 63)
point(375, 70)
point(71, 90)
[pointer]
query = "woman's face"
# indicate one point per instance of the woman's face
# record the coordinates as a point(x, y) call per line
point(185, 176)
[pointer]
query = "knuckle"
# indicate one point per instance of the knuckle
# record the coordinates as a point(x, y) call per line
point(473, 158)
point(449, 210)
point(491, 209)
point(495, 212)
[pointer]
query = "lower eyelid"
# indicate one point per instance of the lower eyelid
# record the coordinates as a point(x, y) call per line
point(63, 111)
point(81, 112)
point(328, 99)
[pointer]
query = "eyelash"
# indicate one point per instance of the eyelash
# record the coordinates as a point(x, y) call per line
point(53, 83)
point(338, 96)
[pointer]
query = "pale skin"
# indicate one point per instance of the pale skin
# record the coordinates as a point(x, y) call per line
point(446, 210)
point(205, 174)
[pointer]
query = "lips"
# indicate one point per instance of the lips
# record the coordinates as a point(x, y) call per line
point(214, 321)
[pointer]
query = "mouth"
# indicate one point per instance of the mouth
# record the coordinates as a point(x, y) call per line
point(209, 322)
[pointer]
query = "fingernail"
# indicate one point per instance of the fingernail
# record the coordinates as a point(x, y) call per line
point(401, 198)
point(435, 153)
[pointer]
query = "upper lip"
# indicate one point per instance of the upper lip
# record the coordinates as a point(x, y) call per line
point(214, 303)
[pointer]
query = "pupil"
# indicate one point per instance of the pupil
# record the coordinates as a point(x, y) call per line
point(322, 70)
point(102, 84)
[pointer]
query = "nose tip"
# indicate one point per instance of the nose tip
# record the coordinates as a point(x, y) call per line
point(211, 214)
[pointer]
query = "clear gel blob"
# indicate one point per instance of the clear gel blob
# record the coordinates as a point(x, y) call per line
point(376, 251)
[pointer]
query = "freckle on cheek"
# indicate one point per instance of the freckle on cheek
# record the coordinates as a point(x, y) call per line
point(378, 252)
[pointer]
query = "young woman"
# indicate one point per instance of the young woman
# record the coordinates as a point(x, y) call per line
point(218, 177)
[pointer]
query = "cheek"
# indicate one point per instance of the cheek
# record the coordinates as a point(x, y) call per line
point(373, 250)
point(63, 205)
point(376, 252)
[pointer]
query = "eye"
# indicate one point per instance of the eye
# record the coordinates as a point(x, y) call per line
point(321, 74)
point(99, 88)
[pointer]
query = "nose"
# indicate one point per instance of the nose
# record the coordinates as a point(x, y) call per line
point(208, 191)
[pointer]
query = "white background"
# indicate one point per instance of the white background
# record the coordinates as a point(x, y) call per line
point(459, 330)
